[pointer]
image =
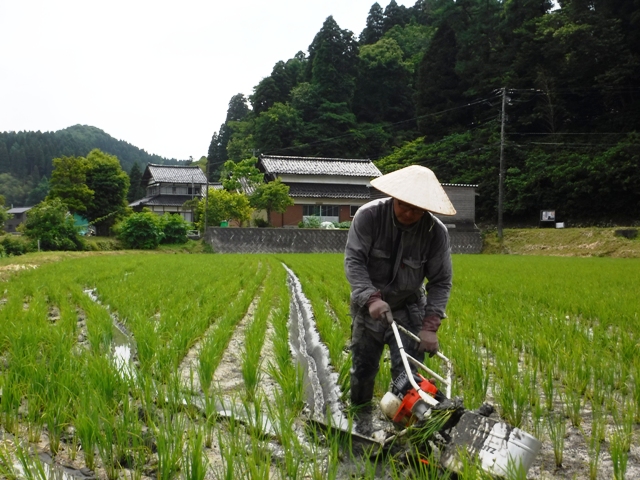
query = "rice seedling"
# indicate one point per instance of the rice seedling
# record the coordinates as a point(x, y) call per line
point(537, 418)
point(530, 320)
point(7, 468)
point(283, 418)
point(596, 438)
point(35, 418)
point(618, 448)
point(573, 406)
point(9, 401)
point(210, 417)
point(548, 388)
point(106, 441)
point(169, 435)
point(86, 424)
point(557, 428)
point(254, 337)
point(31, 465)
point(195, 462)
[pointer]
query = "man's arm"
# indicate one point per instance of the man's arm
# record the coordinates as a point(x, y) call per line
point(356, 257)
point(439, 273)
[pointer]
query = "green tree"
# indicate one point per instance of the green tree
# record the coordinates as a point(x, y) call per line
point(51, 223)
point(332, 62)
point(69, 183)
point(395, 14)
point(136, 190)
point(222, 206)
point(110, 185)
point(39, 193)
point(241, 145)
point(140, 230)
point(13, 189)
point(375, 25)
point(439, 86)
point(5, 159)
point(277, 128)
point(237, 111)
point(244, 174)
point(383, 92)
point(216, 156)
point(265, 94)
point(272, 197)
point(4, 215)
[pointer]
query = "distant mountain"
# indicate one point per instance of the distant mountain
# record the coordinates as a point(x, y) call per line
point(26, 158)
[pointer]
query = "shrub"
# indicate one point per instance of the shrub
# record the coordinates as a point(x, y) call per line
point(310, 222)
point(260, 222)
point(13, 245)
point(52, 224)
point(174, 228)
point(343, 225)
point(141, 231)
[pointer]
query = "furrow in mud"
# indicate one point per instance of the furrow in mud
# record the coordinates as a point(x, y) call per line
point(321, 382)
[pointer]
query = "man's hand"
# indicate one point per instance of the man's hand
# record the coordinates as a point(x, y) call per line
point(428, 342)
point(379, 309)
point(428, 335)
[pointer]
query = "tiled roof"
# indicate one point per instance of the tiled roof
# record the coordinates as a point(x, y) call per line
point(458, 185)
point(324, 190)
point(17, 210)
point(354, 167)
point(163, 200)
point(174, 174)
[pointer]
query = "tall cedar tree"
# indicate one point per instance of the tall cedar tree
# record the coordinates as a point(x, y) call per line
point(136, 190)
point(332, 62)
point(439, 86)
point(238, 109)
point(375, 25)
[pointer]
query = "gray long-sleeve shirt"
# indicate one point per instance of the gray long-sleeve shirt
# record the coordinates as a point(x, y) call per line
point(423, 251)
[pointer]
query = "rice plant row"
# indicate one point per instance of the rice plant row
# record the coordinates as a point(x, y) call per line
point(553, 342)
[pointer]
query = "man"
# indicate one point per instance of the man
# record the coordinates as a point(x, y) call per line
point(394, 244)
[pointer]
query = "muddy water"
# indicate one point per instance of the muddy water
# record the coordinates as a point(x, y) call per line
point(123, 347)
point(322, 390)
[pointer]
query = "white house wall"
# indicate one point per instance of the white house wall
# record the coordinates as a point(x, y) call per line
point(337, 179)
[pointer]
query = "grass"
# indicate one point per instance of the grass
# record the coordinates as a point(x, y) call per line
point(580, 242)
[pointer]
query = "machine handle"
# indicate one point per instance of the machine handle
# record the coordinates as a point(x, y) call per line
point(406, 357)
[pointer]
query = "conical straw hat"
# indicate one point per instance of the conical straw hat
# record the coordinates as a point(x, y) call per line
point(417, 186)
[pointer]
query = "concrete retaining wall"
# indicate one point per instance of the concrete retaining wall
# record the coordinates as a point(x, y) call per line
point(299, 240)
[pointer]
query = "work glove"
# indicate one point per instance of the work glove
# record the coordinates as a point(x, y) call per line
point(379, 309)
point(428, 335)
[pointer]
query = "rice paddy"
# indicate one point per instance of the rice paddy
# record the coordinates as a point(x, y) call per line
point(180, 366)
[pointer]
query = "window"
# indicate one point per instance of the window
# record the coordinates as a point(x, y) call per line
point(353, 209)
point(310, 210)
point(327, 213)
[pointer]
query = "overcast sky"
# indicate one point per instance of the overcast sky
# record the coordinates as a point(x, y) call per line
point(156, 74)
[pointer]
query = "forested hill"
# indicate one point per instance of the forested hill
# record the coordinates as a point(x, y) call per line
point(25, 158)
point(427, 84)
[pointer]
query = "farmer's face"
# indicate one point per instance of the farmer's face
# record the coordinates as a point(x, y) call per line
point(405, 213)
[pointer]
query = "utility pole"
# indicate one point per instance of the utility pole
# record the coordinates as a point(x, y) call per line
point(206, 201)
point(501, 176)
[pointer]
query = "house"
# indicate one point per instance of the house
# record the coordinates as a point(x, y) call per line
point(19, 215)
point(169, 187)
point(330, 188)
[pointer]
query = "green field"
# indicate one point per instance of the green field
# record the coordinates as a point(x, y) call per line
point(552, 342)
